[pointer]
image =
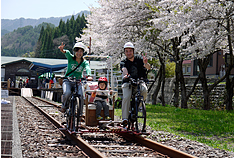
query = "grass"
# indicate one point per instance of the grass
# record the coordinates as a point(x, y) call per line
point(214, 128)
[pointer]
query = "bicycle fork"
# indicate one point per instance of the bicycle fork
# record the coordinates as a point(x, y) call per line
point(72, 114)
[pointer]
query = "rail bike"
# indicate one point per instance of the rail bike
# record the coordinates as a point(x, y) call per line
point(78, 124)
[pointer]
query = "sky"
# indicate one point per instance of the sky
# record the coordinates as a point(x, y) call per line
point(35, 9)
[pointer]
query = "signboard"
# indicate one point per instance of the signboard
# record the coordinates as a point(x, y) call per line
point(4, 93)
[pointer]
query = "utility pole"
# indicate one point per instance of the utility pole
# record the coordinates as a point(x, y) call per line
point(90, 45)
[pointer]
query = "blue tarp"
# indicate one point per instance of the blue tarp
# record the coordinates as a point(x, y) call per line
point(43, 68)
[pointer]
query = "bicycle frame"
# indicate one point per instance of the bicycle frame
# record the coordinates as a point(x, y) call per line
point(136, 100)
point(73, 112)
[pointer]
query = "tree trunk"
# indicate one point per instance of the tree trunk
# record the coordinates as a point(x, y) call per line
point(184, 103)
point(184, 100)
point(229, 89)
point(229, 84)
point(163, 84)
point(176, 55)
point(155, 94)
point(177, 87)
point(206, 93)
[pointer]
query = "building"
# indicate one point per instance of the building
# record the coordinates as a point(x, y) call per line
point(21, 68)
point(18, 69)
point(215, 69)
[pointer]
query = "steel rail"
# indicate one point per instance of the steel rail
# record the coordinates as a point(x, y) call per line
point(139, 139)
point(58, 106)
point(156, 146)
point(83, 145)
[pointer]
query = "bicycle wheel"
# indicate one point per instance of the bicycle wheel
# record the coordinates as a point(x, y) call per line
point(68, 119)
point(140, 117)
point(69, 115)
point(132, 116)
point(77, 114)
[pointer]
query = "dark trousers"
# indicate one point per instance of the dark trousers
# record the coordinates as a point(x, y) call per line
point(99, 105)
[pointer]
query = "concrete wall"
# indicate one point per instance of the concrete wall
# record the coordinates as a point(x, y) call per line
point(168, 91)
point(217, 95)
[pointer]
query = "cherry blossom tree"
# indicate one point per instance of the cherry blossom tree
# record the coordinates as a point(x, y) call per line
point(214, 34)
point(115, 23)
point(226, 21)
point(194, 29)
point(118, 22)
point(181, 29)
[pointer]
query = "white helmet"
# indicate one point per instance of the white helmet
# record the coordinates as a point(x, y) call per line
point(79, 45)
point(128, 45)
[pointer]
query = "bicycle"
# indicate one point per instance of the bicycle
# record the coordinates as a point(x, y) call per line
point(137, 114)
point(74, 109)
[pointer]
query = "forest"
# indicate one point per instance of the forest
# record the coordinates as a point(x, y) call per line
point(43, 40)
point(20, 41)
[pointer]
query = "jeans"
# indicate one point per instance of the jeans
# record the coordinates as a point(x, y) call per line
point(67, 86)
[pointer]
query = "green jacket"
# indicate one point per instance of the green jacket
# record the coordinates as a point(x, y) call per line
point(72, 64)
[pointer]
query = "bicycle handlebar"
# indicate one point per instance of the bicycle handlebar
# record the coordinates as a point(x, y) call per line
point(72, 78)
point(135, 81)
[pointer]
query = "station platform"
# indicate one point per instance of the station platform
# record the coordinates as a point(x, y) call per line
point(10, 137)
point(53, 94)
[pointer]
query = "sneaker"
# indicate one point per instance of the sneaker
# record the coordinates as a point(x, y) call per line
point(107, 118)
point(62, 110)
point(99, 118)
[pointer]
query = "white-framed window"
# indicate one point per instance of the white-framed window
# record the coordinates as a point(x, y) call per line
point(183, 69)
point(188, 69)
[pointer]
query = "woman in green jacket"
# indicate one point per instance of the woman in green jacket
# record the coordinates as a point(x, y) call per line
point(73, 62)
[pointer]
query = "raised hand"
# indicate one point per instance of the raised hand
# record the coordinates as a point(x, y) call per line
point(145, 60)
point(61, 48)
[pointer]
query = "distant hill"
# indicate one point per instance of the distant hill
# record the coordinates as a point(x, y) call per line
point(42, 40)
point(22, 40)
point(10, 25)
point(3, 32)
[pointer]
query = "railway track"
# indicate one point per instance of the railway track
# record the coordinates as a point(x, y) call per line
point(39, 137)
point(99, 144)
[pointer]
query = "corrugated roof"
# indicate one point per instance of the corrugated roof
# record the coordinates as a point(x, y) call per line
point(48, 61)
point(187, 62)
point(45, 64)
point(39, 67)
